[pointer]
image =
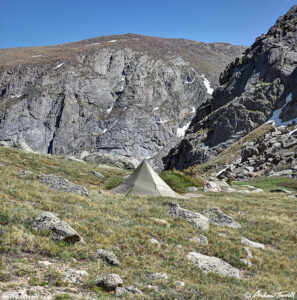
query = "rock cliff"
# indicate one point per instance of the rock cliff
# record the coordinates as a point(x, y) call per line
point(255, 88)
point(126, 94)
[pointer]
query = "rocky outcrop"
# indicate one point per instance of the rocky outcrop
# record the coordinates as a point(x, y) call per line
point(127, 94)
point(61, 184)
point(120, 161)
point(257, 87)
point(109, 282)
point(275, 154)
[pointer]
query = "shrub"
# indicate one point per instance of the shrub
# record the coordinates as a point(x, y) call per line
point(113, 181)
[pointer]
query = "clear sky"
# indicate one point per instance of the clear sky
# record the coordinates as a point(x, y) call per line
point(48, 22)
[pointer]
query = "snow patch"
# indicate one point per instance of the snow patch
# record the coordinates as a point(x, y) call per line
point(109, 109)
point(92, 44)
point(104, 130)
point(276, 115)
point(16, 96)
point(156, 108)
point(112, 41)
point(58, 66)
point(207, 85)
point(193, 110)
point(182, 131)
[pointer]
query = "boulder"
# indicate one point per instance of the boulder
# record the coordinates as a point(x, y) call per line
point(120, 161)
point(217, 217)
point(25, 173)
point(211, 186)
point(74, 276)
point(192, 189)
point(4, 144)
point(248, 252)
point(60, 230)
point(108, 257)
point(72, 158)
point(22, 145)
point(198, 220)
point(98, 174)
point(211, 264)
point(61, 184)
point(109, 282)
point(251, 243)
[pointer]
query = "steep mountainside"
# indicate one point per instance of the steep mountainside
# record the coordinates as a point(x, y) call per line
point(126, 94)
point(259, 86)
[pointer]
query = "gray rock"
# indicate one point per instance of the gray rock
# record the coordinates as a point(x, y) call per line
point(154, 242)
point(22, 145)
point(72, 158)
point(251, 243)
point(108, 257)
point(156, 276)
point(127, 291)
point(246, 262)
point(217, 217)
point(108, 167)
point(285, 173)
point(74, 276)
point(120, 161)
point(248, 252)
point(198, 220)
point(109, 282)
point(192, 189)
point(60, 230)
point(98, 174)
point(211, 264)
point(199, 239)
point(63, 185)
point(211, 186)
point(4, 144)
point(25, 173)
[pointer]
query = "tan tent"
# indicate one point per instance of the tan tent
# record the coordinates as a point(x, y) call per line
point(145, 181)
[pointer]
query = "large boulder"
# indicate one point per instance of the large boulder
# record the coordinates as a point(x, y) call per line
point(198, 220)
point(211, 264)
point(121, 161)
point(108, 256)
point(61, 184)
point(60, 230)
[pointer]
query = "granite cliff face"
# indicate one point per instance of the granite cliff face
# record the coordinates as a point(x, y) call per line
point(257, 87)
point(125, 94)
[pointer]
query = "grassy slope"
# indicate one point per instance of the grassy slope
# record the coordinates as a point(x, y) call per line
point(124, 225)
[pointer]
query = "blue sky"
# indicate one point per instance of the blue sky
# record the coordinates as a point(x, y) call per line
point(48, 22)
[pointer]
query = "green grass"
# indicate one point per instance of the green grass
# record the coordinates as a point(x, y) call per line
point(179, 181)
point(124, 225)
point(112, 182)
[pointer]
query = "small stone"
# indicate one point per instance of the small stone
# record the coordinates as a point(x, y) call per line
point(98, 174)
point(108, 257)
point(109, 282)
point(72, 158)
point(251, 243)
point(44, 262)
point(74, 276)
point(192, 189)
point(160, 222)
point(246, 262)
point(25, 173)
point(155, 242)
point(155, 276)
point(199, 239)
point(179, 283)
point(222, 234)
point(248, 252)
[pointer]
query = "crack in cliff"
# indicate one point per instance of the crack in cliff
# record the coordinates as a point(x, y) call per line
point(57, 125)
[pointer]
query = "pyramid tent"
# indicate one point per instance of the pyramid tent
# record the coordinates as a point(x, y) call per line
point(145, 181)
